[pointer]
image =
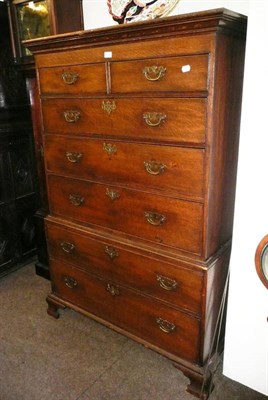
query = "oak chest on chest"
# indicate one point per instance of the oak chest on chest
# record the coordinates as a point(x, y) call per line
point(140, 131)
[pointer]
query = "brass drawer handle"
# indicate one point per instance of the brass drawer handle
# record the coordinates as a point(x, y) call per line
point(71, 116)
point(108, 106)
point(111, 252)
point(114, 290)
point(154, 72)
point(154, 167)
point(76, 200)
point(74, 157)
point(154, 218)
point(67, 247)
point(167, 283)
point(70, 77)
point(154, 118)
point(165, 326)
point(109, 148)
point(70, 282)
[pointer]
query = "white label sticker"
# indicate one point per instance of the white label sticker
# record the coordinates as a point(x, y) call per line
point(108, 54)
point(186, 68)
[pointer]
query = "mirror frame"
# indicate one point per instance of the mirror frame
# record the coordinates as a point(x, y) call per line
point(262, 247)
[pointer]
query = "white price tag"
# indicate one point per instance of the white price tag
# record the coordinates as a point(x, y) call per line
point(108, 54)
point(186, 68)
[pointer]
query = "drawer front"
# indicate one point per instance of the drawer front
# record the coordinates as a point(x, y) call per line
point(159, 219)
point(177, 170)
point(169, 329)
point(73, 79)
point(173, 74)
point(175, 284)
point(177, 120)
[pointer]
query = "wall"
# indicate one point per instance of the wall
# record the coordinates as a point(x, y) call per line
point(96, 15)
point(186, 6)
point(246, 344)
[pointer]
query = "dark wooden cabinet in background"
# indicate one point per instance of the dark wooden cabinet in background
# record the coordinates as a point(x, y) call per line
point(30, 20)
point(18, 193)
point(39, 18)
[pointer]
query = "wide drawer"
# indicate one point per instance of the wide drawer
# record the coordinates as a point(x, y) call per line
point(162, 168)
point(90, 78)
point(169, 329)
point(173, 74)
point(170, 119)
point(174, 283)
point(165, 220)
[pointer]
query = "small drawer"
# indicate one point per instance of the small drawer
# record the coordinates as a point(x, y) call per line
point(164, 220)
point(170, 120)
point(74, 79)
point(169, 329)
point(171, 74)
point(177, 170)
point(177, 284)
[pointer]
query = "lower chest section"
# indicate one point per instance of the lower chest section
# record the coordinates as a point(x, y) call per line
point(143, 294)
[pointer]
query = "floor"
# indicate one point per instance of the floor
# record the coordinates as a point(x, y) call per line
point(75, 358)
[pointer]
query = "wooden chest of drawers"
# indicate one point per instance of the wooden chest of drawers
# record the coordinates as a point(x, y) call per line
point(140, 131)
